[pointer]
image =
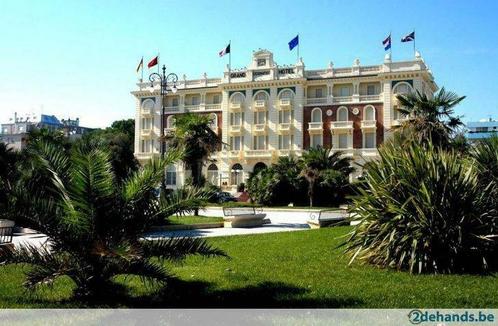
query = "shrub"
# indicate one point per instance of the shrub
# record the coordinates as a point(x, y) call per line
point(424, 210)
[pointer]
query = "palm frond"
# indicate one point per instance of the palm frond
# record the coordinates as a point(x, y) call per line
point(179, 248)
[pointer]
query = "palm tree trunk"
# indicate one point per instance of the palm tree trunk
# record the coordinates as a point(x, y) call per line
point(311, 192)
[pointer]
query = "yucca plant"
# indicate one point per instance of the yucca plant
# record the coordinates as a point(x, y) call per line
point(95, 224)
point(423, 209)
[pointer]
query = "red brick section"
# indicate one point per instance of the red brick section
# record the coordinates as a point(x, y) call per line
point(357, 134)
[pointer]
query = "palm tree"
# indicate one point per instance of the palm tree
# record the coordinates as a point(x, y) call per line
point(195, 137)
point(430, 118)
point(8, 174)
point(95, 224)
point(316, 161)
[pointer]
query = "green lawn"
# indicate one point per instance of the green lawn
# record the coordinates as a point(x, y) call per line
point(190, 219)
point(288, 269)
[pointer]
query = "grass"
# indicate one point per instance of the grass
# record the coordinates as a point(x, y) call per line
point(190, 219)
point(288, 269)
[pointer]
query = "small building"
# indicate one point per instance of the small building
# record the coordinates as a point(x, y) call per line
point(482, 129)
point(15, 133)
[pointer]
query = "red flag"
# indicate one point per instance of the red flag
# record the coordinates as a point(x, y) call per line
point(152, 62)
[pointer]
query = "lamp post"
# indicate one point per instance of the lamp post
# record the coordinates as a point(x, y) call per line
point(163, 80)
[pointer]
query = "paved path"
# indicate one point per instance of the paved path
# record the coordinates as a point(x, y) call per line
point(281, 221)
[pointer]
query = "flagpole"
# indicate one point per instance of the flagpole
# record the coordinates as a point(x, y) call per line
point(142, 80)
point(230, 60)
point(391, 48)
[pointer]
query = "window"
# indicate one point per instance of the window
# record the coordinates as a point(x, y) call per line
point(236, 143)
point(260, 117)
point(171, 175)
point(285, 141)
point(213, 120)
point(195, 100)
point(397, 114)
point(342, 114)
point(260, 142)
point(402, 88)
point(287, 94)
point(147, 145)
point(369, 113)
point(147, 123)
point(236, 174)
point(212, 174)
point(170, 122)
point(316, 140)
point(369, 140)
point(371, 90)
point(318, 93)
point(343, 140)
point(316, 115)
point(261, 62)
point(285, 117)
point(174, 101)
point(344, 91)
point(216, 99)
point(237, 98)
point(261, 96)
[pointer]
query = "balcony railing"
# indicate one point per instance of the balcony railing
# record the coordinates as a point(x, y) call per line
point(260, 104)
point(213, 106)
point(316, 100)
point(146, 111)
point(235, 153)
point(365, 124)
point(235, 128)
point(235, 106)
point(259, 127)
point(258, 153)
point(284, 126)
point(146, 132)
point(172, 108)
point(193, 107)
point(285, 103)
point(341, 125)
point(342, 99)
point(369, 98)
point(315, 126)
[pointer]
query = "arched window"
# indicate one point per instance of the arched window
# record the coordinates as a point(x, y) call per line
point(258, 167)
point(369, 113)
point(237, 98)
point(316, 115)
point(213, 120)
point(170, 122)
point(148, 104)
point(236, 174)
point(261, 96)
point(171, 175)
point(286, 94)
point(342, 114)
point(402, 88)
point(212, 174)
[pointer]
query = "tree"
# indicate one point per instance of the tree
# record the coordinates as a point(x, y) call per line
point(95, 224)
point(316, 161)
point(9, 174)
point(194, 136)
point(430, 119)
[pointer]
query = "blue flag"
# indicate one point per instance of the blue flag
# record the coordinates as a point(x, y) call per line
point(408, 38)
point(387, 43)
point(294, 42)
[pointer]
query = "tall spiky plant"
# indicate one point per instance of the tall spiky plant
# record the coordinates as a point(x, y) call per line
point(423, 209)
point(95, 224)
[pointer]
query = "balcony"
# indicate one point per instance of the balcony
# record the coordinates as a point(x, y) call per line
point(260, 105)
point(236, 106)
point(175, 108)
point(147, 111)
point(284, 127)
point(285, 103)
point(344, 125)
point(315, 127)
point(235, 129)
point(146, 132)
point(258, 153)
point(259, 128)
point(369, 124)
point(342, 99)
point(316, 101)
point(213, 106)
point(238, 154)
point(370, 98)
point(192, 107)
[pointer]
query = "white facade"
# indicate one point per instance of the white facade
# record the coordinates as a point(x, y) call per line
point(265, 111)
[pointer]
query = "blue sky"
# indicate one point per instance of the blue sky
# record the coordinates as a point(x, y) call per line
point(77, 58)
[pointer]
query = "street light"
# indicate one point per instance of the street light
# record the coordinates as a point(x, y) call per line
point(163, 80)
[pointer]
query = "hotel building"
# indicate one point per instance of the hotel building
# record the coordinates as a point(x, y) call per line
point(266, 111)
